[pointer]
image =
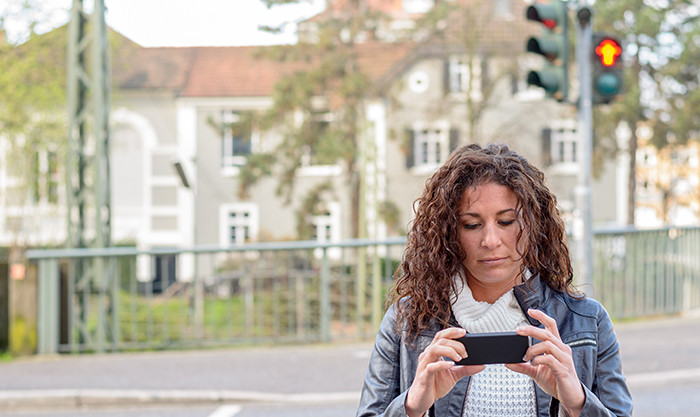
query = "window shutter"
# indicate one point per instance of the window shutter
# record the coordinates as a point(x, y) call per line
point(223, 138)
point(410, 154)
point(446, 77)
point(547, 146)
point(484, 78)
point(513, 84)
point(454, 139)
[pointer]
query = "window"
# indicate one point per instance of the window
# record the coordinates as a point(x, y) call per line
point(320, 129)
point(326, 229)
point(235, 139)
point(459, 75)
point(326, 225)
point(430, 145)
point(238, 223)
point(319, 159)
point(45, 178)
point(563, 146)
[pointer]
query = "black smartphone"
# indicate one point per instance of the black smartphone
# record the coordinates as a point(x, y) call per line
point(488, 348)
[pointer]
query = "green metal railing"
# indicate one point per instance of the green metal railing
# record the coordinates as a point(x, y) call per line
point(647, 272)
point(301, 291)
point(258, 293)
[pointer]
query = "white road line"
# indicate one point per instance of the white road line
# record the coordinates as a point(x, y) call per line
point(226, 411)
point(663, 377)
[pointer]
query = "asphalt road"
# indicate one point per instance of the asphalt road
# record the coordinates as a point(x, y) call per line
point(660, 359)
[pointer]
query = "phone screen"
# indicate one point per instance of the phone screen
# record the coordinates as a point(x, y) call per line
point(489, 348)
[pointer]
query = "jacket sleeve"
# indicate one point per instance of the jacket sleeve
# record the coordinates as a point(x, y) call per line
point(381, 393)
point(609, 395)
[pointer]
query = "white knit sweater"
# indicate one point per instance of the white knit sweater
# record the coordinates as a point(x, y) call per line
point(495, 391)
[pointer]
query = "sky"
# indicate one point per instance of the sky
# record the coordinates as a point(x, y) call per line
point(176, 22)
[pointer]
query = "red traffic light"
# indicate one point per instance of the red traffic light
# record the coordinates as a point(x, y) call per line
point(608, 52)
point(550, 15)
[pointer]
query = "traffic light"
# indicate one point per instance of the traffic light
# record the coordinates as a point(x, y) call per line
point(553, 45)
point(607, 68)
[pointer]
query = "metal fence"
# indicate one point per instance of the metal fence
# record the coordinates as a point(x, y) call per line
point(126, 299)
point(647, 272)
point(123, 298)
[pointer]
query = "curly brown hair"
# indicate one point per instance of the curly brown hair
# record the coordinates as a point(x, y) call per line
point(433, 254)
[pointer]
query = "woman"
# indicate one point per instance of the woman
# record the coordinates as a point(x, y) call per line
point(487, 252)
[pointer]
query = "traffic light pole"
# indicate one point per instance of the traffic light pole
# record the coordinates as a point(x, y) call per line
point(583, 229)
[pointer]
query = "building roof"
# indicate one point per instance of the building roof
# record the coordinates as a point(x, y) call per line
point(227, 71)
point(244, 72)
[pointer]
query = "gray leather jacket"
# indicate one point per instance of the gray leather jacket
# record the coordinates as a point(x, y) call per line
point(583, 324)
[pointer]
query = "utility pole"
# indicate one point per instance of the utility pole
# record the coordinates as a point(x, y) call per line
point(88, 175)
point(583, 230)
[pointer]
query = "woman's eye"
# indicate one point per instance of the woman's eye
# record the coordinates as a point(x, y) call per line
point(506, 222)
point(471, 226)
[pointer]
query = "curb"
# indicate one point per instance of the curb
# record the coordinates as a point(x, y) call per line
point(70, 398)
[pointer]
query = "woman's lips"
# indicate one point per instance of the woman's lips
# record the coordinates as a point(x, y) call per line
point(492, 261)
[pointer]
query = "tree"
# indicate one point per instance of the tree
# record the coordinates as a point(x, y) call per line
point(318, 108)
point(469, 29)
point(32, 96)
point(660, 41)
point(331, 52)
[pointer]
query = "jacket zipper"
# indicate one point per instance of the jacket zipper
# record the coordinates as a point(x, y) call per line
point(583, 342)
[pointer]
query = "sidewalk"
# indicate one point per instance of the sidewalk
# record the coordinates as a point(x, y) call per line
point(654, 352)
point(294, 374)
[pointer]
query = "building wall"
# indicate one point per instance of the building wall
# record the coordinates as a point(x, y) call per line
point(516, 118)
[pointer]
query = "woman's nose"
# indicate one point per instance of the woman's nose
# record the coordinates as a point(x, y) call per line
point(490, 239)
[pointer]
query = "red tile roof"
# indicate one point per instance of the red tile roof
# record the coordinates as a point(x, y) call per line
point(233, 72)
point(227, 71)
point(239, 72)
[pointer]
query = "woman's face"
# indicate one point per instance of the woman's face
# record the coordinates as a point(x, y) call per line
point(488, 234)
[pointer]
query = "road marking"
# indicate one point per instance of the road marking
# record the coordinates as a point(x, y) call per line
point(226, 411)
point(663, 377)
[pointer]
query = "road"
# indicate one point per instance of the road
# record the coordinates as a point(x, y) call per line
point(659, 357)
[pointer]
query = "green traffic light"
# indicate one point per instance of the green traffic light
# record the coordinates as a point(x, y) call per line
point(608, 84)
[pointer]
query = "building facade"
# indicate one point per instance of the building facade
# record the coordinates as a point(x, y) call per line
point(177, 147)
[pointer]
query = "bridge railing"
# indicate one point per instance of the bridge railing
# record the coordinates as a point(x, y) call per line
point(117, 299)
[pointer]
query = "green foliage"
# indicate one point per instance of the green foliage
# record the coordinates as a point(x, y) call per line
point(391, 215)
point(23, 337)
point(660, 53)
point(661, 41)
point(316, 108)
point(32, 98)
point(32, 105)
point(258, 165)
point(312, 205)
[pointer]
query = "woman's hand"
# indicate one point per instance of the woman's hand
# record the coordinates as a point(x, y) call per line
point(435, 376)
point(551, 364)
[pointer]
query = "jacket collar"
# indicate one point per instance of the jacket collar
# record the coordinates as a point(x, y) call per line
point(532, 294)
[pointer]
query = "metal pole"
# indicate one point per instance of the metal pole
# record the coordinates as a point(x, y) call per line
point(325, 307)
point(583, 232)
